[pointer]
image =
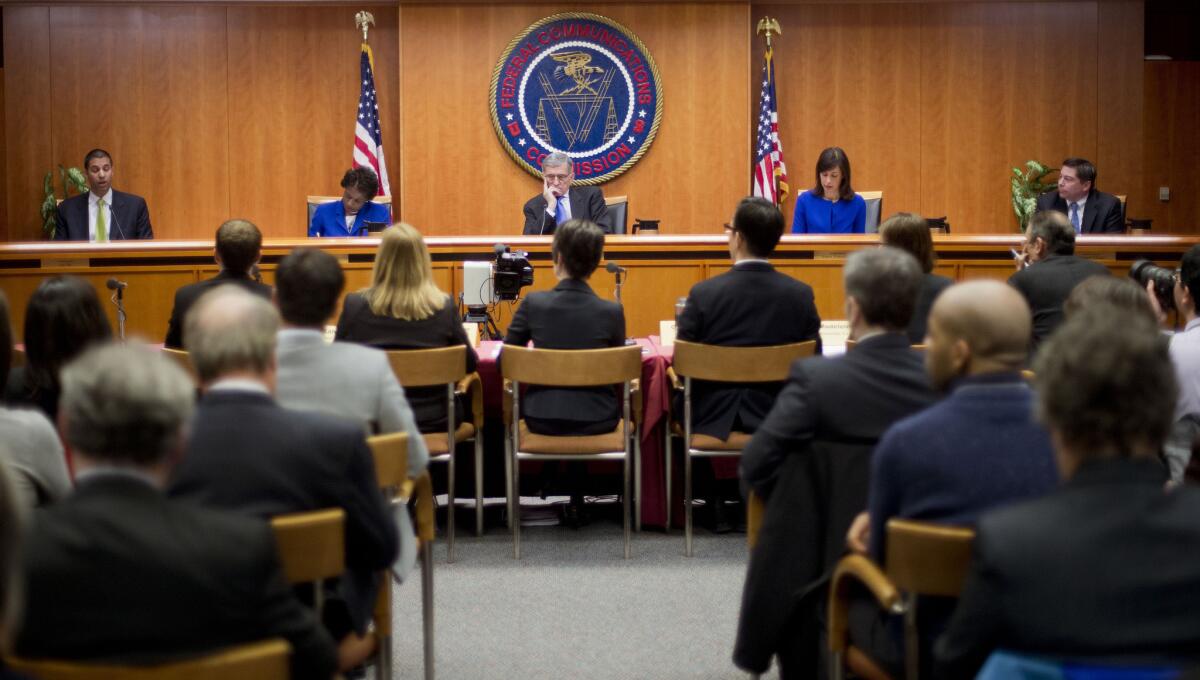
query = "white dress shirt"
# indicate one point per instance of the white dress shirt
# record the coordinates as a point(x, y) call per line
point(93, 206)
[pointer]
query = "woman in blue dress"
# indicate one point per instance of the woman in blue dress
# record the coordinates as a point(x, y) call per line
point(831, 207)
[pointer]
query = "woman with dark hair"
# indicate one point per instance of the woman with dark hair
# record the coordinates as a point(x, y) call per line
point(830, 207)
point(62, 319)
point(349, 216)
point(910, 233)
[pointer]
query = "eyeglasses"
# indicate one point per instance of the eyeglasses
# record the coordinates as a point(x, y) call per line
point(557, 178)
point(730, 227)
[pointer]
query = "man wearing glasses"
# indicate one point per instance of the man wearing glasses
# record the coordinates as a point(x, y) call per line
point(559, 201)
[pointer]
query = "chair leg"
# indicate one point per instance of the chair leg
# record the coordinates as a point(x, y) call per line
point(637, 483)
point(667, 473)
point(383, 661)
point(516, 505)
point(478, 483)
point(427, 605)
point(626, 500)
point(450, 508)
point(508, 478)
point(687, 501)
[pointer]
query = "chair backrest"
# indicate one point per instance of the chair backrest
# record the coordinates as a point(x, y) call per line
point(618, 213)
point(1124, 208)
point(425, 367)
point(181, 357)
point(315, 201)
point(738, 364)
point(312, 545)
point(390, 452)
point(755, 509)
point(571, 367)
point(928, 559)
point(265, 660)
point(874, 201)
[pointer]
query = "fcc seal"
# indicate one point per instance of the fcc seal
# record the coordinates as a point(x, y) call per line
point(581, 84)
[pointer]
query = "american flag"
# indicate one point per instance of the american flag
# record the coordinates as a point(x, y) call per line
point(368, 140)
point(770, 174)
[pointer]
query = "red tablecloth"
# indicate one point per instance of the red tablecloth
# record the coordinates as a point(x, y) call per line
point(655, 405)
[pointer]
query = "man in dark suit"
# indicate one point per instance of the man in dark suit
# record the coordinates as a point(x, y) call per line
point(750, 305)
point(102, 214)
point(570, 317)
point(977, 449)
point(560, 202)
point(238, 249)
point(1048, 270)
point(247, 453)
point(118, 573)
point(1108, 566)
point(1088, 210)
point(810, 458)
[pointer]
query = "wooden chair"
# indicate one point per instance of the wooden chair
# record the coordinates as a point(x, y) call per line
point(851, 344)
point(755, 510)
point(921, 559)
point(695, 361)
point(265, 660)
point(618, 213)
point(313, 202)
point(312, 548)
point(390, 452)
point(185, 362)
point(569, 368)
point(448, 366)
point(874, 201)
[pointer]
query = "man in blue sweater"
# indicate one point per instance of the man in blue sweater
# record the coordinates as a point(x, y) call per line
point(978, 448)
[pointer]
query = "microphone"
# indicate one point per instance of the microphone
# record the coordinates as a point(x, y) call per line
point(499, 249)
point(614, 268)
point(114, 284)
point(112, 212)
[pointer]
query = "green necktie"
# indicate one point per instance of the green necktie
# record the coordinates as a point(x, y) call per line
point(101, 227)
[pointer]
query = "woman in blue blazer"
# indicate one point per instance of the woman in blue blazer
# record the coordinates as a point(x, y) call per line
point(349, 216)
point(831, 207)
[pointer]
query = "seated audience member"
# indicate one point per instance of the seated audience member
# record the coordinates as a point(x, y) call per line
point(1185, 357)
point(910, 232)
point(977, 449)
point(118, 573)
point(12, 523)
point(570, 316)
point(28, 443)
point(404, 309)
point(1048, 270)
point(1088, 211)
point(349, 216)
point(247, 453)
point(809, 459)
point(1107, 566)
point(750, 305)
point(62, 319)
point(1122, 295)
point(238, 249)
point(102, 214)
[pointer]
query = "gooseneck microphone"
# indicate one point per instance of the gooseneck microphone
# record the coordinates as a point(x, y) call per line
point(112, 212)
point(614, 268)
point(114, 284)
point(118, 298)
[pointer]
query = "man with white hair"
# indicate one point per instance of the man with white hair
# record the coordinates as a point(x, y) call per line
point(559, 201)
point(120, 573)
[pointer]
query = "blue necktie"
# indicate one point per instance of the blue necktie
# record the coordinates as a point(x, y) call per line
point(560, 211)
point(1075, 216)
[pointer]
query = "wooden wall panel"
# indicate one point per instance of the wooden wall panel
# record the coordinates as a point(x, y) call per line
point(1172, 147)
point(1119, 107)
point(28, 116)
point(293, 89)
point(848, 75)
point(459, 180)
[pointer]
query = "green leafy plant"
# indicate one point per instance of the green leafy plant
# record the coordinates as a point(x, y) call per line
point(1027, 186)
point(72, 178)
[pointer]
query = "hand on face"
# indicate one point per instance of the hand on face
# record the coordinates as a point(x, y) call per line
point(555, 183)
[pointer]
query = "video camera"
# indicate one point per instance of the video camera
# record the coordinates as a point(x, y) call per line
point(510, 273)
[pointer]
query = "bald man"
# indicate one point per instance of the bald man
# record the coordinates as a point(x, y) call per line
point(977, 449)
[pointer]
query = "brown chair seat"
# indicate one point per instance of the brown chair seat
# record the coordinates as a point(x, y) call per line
point(436, 441)
point(736, 442)
point(583, 445)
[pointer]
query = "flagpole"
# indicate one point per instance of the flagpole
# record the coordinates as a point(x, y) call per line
point(770, 174)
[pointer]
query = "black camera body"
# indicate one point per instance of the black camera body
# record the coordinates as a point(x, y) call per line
point(510, 273)
point(1144, 271)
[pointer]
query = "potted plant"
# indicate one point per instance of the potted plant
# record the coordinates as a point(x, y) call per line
point(72, 178)
point(1027, 186)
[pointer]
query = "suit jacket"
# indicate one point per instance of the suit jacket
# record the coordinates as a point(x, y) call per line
point(187, 296)
point(931, 287)
point(1107, 568)
point(750, 305)
point(116, 572)
point(1046, 285)
point(570, 316)
point(586, 203)
point(810, 459)
point(441, 329)
point(1101, 213)
point(329, 219)
point(247, 453)
point(130, 218)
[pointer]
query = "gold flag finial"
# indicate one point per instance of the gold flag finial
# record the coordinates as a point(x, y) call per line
point(768, 25)
point(364, 20)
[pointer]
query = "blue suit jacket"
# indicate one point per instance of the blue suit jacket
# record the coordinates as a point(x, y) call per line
point(329, 220)
point(130, 218)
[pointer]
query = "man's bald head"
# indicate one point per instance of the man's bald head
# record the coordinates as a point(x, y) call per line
point(230, 331)
point(977, 327)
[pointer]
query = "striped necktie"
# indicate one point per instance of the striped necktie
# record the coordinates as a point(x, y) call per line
point(1075, 216)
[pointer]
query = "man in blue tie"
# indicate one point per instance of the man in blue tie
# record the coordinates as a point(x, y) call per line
point(559, 201)
point(1089, 211)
